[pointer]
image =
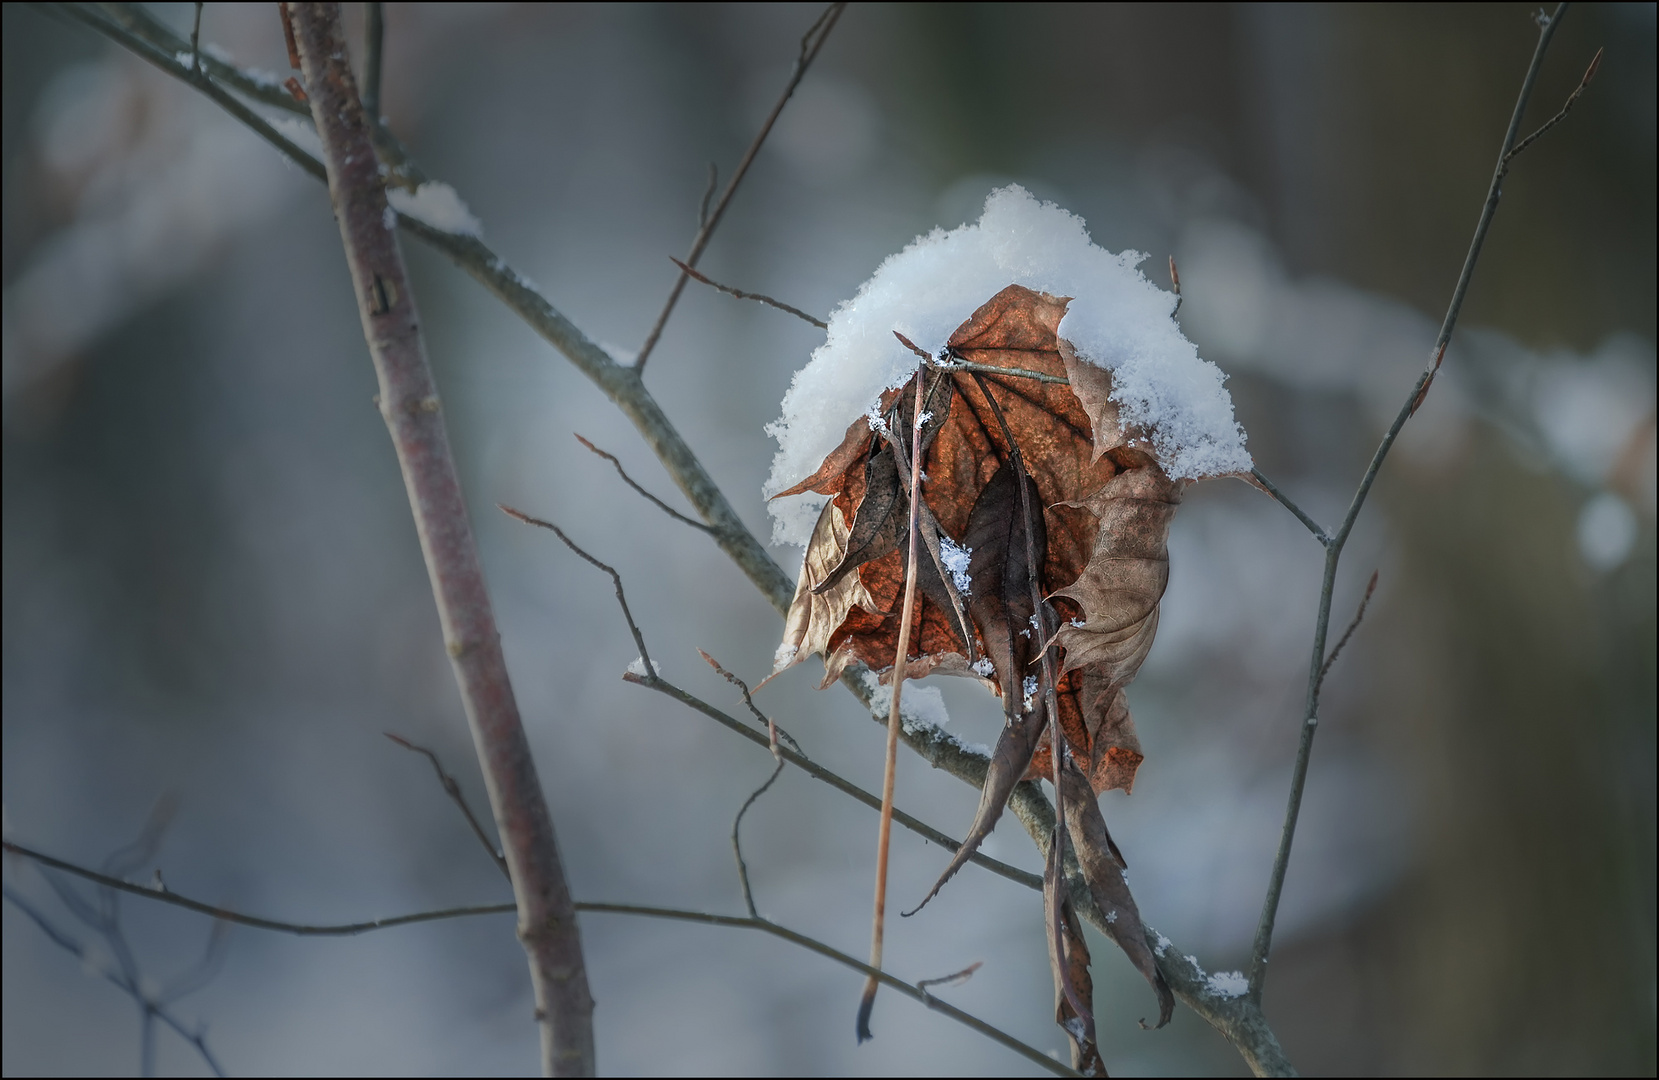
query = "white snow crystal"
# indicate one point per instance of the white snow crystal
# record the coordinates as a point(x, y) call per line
point(1228, 984)
point(919, 706)
point(1117, 319)
point(637, 667)
point(1111, 916)
point(956, 561)
point(784, 656)
point(1030, 690)
point(1163, 945)
point(984, 667)
point(438, 205)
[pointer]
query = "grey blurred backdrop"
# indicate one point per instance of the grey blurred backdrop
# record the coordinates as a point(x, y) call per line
point(213, 593)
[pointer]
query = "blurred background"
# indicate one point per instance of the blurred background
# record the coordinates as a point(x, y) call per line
point(214, 600)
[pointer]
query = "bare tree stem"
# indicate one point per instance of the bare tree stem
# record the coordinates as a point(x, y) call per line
point(1334, 543)
point(410, 406)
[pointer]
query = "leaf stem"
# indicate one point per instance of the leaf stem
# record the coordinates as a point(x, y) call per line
point(890, 770)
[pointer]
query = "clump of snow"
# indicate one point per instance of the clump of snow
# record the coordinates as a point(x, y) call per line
point(637, 667)
point(784, 656)
point(1228, 984)
point(1117, 319)
point(437, 205)
point(956, 561)
point(918, 705)
point(1163, 946)
point(1029, 689)
point(984, 667)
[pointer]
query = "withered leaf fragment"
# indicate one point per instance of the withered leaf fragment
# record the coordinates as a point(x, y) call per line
point(1068, 957)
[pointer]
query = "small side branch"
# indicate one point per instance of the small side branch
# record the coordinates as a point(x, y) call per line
point(1320, 662)
point(626, 479)
point(751, 922)
point(1370, 588)
point(616, 578)
point(453, 790)
point(811, 42)
point(698, 275)
point(1272, 489)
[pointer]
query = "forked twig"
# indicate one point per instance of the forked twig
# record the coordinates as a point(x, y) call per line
point(698, 275)
point(1319, 661)
point(772, 730)
point(811, 42)
point(1370, 588)
point(752, 922)
point(737, 843)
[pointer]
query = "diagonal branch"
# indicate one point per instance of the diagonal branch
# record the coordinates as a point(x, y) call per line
point(410, 406)
point(812, 41)
point(1334, 544)
point(626, 479)
point(698, 275)
point(453, 790)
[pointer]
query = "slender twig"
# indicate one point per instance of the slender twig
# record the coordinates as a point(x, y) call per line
point(1370, 588)
point(1333, 552)
point(698, 275)
point(773, 731)
point(1314, 527)
point(812, 41)
point(708, 193)
point(901, 654)
point(1175, 283)
point(453, 790)
point(616, 578)
point(953, 978)
point(374, 40)
point(1572, 99)
point(410, 406)
point(151, 1010)
point(626, 479)
point(196, 40)
point(737, 843)
point(992, 369)
point(347, 929)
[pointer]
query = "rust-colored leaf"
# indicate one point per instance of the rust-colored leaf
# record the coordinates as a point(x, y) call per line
point(1097, 552)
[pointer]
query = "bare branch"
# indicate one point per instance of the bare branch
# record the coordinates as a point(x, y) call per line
point(410, 406)
point(626, 479)
point(751, 922)
point(1348, 633)
point(149, 1010)
point(1572, 99)
point(1268, 486)
point(616, 578)
point(771, 725)
point(453, 790)
point(698, 275)
point(737, 843)
point(1333, 551)
point(812, 41)
point(1175, 283)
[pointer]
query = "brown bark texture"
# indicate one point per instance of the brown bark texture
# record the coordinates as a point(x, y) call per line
point(410, 406)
